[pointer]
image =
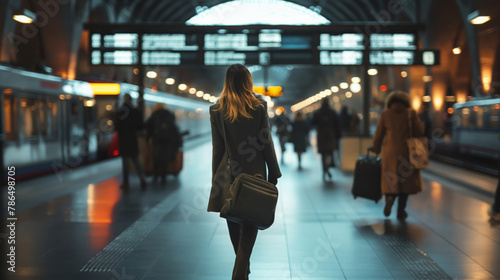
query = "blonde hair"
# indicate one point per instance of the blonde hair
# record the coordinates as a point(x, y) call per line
point(237, 95)
point(397, 97)
point(158, 106)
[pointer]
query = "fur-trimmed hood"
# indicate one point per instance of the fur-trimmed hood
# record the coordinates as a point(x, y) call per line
point(397, 97)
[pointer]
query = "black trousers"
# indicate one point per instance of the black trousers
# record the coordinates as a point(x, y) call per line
point(327, 160)
point(243, 238)
point(125, 167)
point(402, 200)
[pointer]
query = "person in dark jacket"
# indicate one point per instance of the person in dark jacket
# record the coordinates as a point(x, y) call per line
point(299, 136)
point(250, 147)
point(328, 128)
point(345, 120)
point(128, 120)
point(282, 124)
point(161, 128)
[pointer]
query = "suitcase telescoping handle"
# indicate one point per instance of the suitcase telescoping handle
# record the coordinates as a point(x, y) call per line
point(370, 149)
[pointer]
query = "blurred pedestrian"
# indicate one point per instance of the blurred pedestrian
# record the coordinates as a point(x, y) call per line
point(425, 119)
point(250, 147)
point(494, 210)
point(345, 120)
point(165, 138)
point(399, 178)
point(328, 135)
point(299, 136)
point(282, 124)
point(128, 121)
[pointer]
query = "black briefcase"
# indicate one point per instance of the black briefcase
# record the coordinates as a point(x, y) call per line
point(367, 178)
point(251, 200)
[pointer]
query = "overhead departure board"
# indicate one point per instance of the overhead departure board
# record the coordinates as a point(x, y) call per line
point(393, 41)
point(257, 47)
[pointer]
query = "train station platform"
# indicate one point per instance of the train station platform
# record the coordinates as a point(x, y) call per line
point(82, 226)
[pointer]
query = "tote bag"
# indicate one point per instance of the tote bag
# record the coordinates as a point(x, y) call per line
point(417, 148)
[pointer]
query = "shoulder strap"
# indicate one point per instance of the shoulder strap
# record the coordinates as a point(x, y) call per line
point(223, 131)
point(410, 122)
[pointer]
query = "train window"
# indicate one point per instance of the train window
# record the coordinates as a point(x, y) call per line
point(480, 117)
point(494, 116)
point(29, 116)
point(10, 117)
point(465, 117)
point(48, 120)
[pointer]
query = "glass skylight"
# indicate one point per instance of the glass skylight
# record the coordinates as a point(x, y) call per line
point(248, 12)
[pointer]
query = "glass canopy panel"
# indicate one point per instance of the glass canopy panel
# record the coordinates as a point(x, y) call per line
point(248, 12)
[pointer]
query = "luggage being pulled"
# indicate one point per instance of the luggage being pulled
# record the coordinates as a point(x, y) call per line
point(367, 178)
point(174, 167)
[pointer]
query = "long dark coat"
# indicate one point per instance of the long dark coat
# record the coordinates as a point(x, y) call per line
point(163, 151)
point(128, 120)
point(250, 148)
point(398, 176)
point(299, 135)
point(328, 129)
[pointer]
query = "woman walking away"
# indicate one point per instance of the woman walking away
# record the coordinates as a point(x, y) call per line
point(329, 134)
point(299, 136)
point(399, 178)
point(250, 147)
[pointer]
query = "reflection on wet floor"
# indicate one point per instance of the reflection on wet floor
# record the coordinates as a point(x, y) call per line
point(320, 232)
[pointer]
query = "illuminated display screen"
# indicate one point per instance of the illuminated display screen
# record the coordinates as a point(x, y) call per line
point(178, 42)
point(340, 57)
point(229, 42)
point(225, 58)
point(262, 47)
point(168, 58)
point(120, 40)
point(120, 58)
point(393, 41)
point(341, 42)
point(392, 57)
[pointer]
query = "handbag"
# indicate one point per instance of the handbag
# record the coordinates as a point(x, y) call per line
point(250, 199)
point(417, 148)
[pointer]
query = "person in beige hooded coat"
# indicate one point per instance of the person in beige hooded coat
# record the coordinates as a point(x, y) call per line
point(399, 178)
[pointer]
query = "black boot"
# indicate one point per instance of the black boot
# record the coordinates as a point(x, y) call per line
point(389, 201)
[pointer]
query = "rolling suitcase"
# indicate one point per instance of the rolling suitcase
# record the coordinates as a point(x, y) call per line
point(367, 177)
point(174, 167)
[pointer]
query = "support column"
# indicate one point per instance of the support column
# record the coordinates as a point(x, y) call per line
point(367, 93)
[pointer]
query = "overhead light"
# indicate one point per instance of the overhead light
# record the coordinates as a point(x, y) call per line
point(404, 74)
point(192, 90)
point(206, 96)
point(457, 50)
point(169, 81)
point(372, 72)
point(24, 16)
point(355, 87)
point(151, 74)
point(426, 98)
point(427, 78)
point(348, 94)
point(356, 80)
point(478, 17)
point(344, 85)
point(182, 87)
point(199, 93)
point(335, 89)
